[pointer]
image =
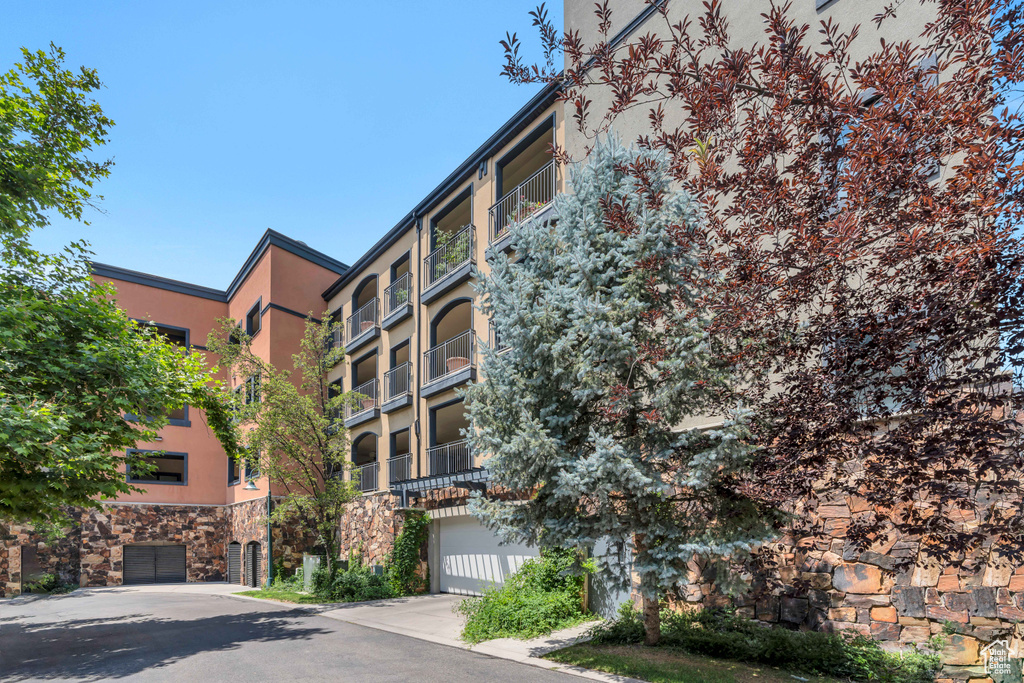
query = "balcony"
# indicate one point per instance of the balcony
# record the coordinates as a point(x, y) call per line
point(365, 477)
point(397, 301)
point(529, 199)
point(400, 468)
point(397, 387)
point(361, 326)
point(449, 458)
point(448, 364)
point(368, 407)
point(450, 264)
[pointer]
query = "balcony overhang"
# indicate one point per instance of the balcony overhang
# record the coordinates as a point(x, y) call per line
point(449, 381)
point(361, 417)
point(448, 282)
point(418, 488)
point(397, 403)
point(401, 312)
point(362, 339)
point(504, 241)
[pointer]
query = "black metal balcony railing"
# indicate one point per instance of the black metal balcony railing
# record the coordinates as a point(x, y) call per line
point(400, 468)
point(528, 197)
point(497, 343)
point(368, 402)
point(448, 358)
point(363, 320)
point(398, 381)
point(450, 458)
point(365, 476)
point(455, 251)
point(398, 293)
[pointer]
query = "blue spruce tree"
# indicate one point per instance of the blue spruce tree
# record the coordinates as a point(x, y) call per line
point(604, 355)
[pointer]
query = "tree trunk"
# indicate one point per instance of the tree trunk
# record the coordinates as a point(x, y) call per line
point(652, 621)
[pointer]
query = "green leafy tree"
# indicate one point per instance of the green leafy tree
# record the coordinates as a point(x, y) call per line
point(580, 409)
point(291, 421)
point(72, 364)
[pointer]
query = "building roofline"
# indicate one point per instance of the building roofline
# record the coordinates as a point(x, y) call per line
point(270, 238)
point(300, 249)
point(499, 138)
point(140, 278)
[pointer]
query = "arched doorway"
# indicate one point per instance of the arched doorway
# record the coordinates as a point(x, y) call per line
point(253, 555)
point(234, 562)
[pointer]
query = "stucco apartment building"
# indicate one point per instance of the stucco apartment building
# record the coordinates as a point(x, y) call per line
point(412, 336)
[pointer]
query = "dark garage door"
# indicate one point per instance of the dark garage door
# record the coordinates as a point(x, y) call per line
point(154, 564)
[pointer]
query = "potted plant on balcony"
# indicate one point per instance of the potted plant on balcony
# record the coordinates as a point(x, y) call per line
point(367, 403)
point(456, 252)
point(365, 325)
point(401, 296)
point(527, 209)
point(456, 363)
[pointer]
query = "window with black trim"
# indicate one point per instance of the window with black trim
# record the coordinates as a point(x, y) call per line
point(252, 389)
point(234, 471)
point(253, 319)
point(252, 466)
point(174, 335)
point(159, 468)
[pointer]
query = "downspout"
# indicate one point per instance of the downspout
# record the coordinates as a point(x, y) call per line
point(270, 542)
point(419, 351)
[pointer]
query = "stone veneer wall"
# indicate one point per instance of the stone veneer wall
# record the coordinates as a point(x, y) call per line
point(201, 529)
point(91, 553)
point(890, 592)
point(369, 527)
point(60, 558)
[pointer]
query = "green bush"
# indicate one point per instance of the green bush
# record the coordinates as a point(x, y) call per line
point(49, 583)
point(354, 584)
point(404, 561)
point(545, 595)
point(293, 583)
point(725, 635)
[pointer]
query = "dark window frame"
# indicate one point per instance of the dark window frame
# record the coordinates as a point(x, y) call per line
point(432, 420)
point(158, 454)
point(232, 462)
point(256, 308)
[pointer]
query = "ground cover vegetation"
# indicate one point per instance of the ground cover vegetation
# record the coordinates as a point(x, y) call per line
point(546, 594)
point(859, 260)
point(723, 635)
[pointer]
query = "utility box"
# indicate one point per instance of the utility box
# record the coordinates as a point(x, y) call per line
point(310, 563)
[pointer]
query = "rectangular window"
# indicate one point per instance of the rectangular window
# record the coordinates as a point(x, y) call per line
point(252, 466)
point(234, 471)
point(252, 389)
point(253, 319)
point(163, 468)
point(175, 335)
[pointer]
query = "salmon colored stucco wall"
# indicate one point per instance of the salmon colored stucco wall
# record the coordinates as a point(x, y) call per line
point(278, 277)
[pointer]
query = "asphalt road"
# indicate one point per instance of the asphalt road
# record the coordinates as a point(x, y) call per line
point(96, 635)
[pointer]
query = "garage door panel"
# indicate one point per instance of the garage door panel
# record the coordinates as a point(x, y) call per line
point(154, 564)
point(472, 558)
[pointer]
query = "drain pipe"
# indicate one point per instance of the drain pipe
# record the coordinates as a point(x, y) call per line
point(419, 350)
point(270, 541)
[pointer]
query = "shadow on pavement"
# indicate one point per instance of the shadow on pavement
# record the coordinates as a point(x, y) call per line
point(125, 645)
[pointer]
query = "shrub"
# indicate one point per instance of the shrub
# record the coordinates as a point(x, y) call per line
point(725, 635)
point(404, 561)
point(545, 595)
point(354, 584)
point(293, 583)
point(51, 584)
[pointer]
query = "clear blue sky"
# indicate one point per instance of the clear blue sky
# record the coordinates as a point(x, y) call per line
point(326, 121)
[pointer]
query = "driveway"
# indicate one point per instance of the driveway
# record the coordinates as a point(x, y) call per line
point(179, 634)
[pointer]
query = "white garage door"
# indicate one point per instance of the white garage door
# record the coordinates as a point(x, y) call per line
point(471, 558)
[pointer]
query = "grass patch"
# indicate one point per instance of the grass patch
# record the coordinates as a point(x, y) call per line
point(283, 595)
point(544, 595)
point(670, 665)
